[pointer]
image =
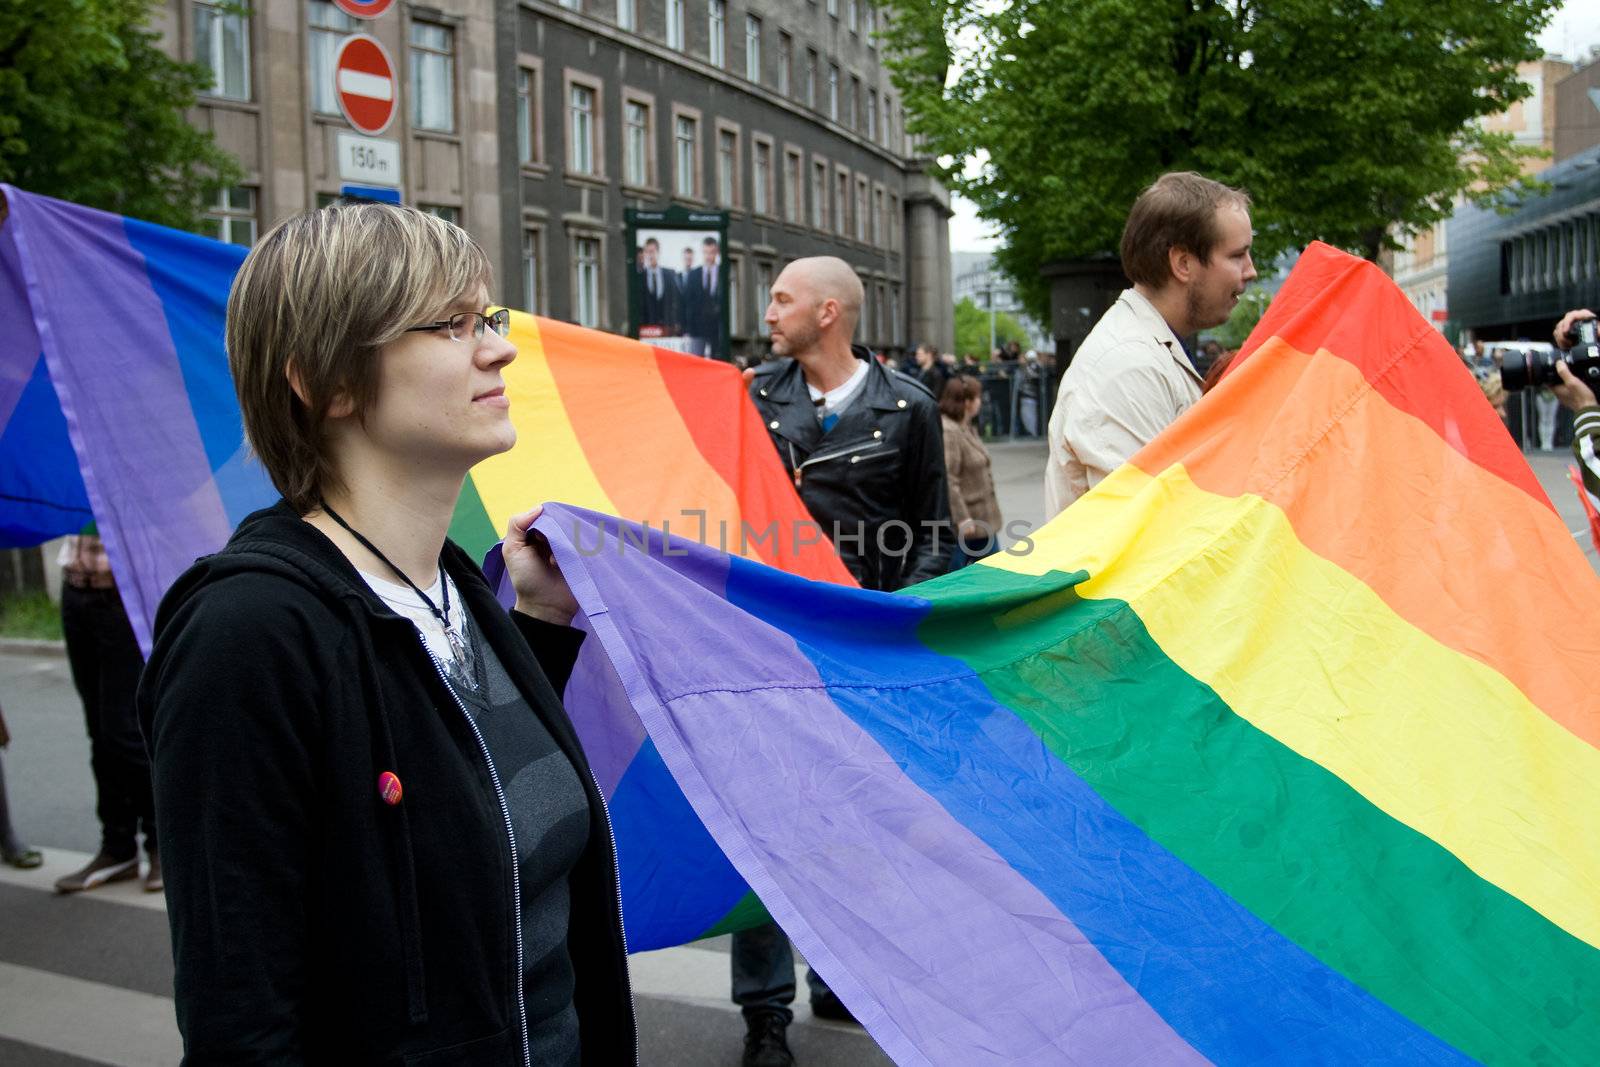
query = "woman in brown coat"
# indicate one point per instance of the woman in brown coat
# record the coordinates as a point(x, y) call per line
point(974, 508)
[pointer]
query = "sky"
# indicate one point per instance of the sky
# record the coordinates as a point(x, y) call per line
point(1575, 28)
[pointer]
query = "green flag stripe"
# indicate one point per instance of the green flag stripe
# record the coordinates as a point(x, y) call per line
point(1382, 904)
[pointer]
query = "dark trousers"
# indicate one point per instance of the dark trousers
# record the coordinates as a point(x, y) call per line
point(106, 661)
point(763, 972)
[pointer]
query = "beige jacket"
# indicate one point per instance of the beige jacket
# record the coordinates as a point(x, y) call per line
point(1129, 380)
point(966, 465)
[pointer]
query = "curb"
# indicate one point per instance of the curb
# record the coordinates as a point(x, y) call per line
point(31, 646)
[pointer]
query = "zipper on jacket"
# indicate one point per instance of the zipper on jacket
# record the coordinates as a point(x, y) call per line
point(516, 876)
point(799, 468)
point(616, 882)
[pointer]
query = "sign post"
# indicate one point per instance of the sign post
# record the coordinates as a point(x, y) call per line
point(364, 82)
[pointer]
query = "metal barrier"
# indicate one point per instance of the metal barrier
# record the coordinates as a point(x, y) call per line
point(1017, 401)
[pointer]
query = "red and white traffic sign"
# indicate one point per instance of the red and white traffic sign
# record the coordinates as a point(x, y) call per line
point(363, 78)
point(363, 9)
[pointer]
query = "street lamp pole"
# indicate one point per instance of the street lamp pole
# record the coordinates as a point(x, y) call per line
point(989, 294)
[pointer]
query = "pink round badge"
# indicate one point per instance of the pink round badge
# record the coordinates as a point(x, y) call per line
point(389, 787)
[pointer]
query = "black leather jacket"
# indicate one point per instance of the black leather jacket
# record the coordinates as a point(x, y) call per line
point(875, 482)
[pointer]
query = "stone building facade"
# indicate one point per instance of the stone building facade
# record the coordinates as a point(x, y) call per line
point(535, 124)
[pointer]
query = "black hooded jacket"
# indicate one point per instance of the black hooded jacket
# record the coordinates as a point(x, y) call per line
point(312, 921)
point(875, 482)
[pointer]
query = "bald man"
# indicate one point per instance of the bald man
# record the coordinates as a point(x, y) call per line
point(866, 451)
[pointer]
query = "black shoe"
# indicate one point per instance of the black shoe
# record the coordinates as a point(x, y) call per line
point(102, 870)
point(829, 1006)
point(764, 1042)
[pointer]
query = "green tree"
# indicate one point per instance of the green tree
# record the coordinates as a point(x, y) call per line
point(92, 111)
point(972, 329)
point(1347, 120)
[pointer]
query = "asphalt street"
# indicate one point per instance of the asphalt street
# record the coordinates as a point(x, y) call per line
point(87, 979)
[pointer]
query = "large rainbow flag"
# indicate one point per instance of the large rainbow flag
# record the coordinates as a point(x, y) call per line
point(116, 405)
point(1278, 747)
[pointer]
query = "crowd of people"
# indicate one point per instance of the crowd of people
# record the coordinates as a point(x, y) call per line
point(341, 652)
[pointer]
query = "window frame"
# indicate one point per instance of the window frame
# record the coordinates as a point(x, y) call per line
point(536, 300)
point(575, 237)
point(843, 193)
point(318, 81)
point(675, 13)
point(794, 187)
point(576, 79)
point(534, 66)
point(225, 213)
point(785, 84)
point(652, 172)
point(769, 187)
point(717, 33)
point(413, 74)
point(681, 112)
point(820, 216)
point(752, 48)
point(734, 201)
point(217, 90)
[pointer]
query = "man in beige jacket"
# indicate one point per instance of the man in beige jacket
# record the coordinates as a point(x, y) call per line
point(1186, 248)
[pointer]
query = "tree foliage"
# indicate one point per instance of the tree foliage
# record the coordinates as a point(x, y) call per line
point(92, 111)
point(1246, 313)
point(1347, 120)
point(972, 329)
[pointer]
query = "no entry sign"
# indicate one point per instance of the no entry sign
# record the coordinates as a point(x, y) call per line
point(363, 79)
point(363, 9)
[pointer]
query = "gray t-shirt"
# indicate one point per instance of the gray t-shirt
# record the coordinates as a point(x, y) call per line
point(550, 820)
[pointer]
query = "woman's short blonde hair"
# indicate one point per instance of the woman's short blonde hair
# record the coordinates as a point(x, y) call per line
point(317, 298)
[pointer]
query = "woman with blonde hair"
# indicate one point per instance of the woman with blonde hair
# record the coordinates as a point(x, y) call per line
point(974, 508)
point(381, 839)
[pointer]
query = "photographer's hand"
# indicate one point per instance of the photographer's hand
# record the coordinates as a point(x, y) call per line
point(1566, 323)
point(1572, 393)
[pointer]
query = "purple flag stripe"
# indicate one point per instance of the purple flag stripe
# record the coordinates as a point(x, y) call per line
point(888, 877)
point(19, 342)
point(149, 484)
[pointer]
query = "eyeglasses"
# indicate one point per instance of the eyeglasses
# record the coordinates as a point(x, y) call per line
point(468, 325)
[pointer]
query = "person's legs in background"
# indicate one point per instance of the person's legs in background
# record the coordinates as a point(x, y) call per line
point(763, 987)
point(105, 661)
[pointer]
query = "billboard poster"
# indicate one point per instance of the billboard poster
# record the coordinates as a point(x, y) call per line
point(678, 280)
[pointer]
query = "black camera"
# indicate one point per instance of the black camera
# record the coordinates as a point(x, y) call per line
point(1533, 367)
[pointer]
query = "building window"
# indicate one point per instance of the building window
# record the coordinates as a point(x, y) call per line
point(785, 62)
point(222, 47)
point(819, 195)
point(581, 129)
point(850, 15)
point(852, 104)
point(433, 77)
point(841, 203)
point(328, 26)
point(752, 48)
point(532, 272)
point(718, 46)
point(627, 14)
point(572, 5)
point(232, 216)
point(763, 296)
point(877, 217)
point(892, 226)
point(869, 17)
point(833, 91)
point(727, 168)
point(896, 331)
point(872, 114)
point(761, 197)
point(451, 215)
point(638, 163)
point(529, 148)
point(833, 8)
point(793, 185)
point(811, 77)
point(686, 145)
point(861, 211)
point(675, 24)
point(586, 281)
point(735, 295)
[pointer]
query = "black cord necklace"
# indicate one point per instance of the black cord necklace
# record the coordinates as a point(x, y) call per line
point(460, 655)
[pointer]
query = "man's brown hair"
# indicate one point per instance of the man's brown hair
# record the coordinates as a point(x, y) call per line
point(318, 297)
point(1179, 210)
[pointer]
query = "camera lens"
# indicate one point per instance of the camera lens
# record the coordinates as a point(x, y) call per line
point(1514, 372)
